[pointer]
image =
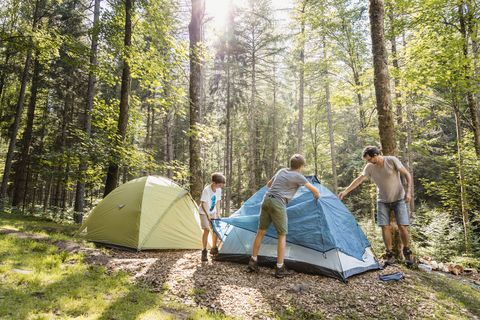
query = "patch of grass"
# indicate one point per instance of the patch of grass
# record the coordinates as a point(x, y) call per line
point(449, 298)
point(39, 282)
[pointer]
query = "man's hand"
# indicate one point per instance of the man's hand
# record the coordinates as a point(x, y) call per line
point(342, 195)
point(408, 197)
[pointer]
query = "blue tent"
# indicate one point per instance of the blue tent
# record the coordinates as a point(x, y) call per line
point(323, 236)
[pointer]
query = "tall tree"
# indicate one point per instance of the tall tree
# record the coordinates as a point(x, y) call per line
point(301, 76)
point(113, 168)
point(386, 126)
point(195, 94)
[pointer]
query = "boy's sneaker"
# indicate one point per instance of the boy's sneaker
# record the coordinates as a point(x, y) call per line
point(407, 253)
point(214, 251)
point(389, 258)
point(282, 272)
point(204, 255)
point(252, 265)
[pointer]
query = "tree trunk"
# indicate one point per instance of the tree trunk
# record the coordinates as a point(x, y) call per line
point(465, 29)
point(301, 93)
point(398, 95)
point(195, 93)
point(461, 176)
point(112, 172)
point(92, 79)
point(20, 177)
point(18, 111)
point(168, 142)
point(252, 125)
point(381, 79)
point(331, 138)
point(228, 138)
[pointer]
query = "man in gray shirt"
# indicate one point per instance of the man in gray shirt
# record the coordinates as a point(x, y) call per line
point(385, 172)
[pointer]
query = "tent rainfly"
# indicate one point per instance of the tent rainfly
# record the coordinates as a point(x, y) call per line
point(146, 213)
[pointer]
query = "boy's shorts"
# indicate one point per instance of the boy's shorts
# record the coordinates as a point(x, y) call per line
point(273, 210)
point(204, 222)
point(400, 209)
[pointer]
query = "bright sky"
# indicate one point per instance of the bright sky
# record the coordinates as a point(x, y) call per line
point(218, 10)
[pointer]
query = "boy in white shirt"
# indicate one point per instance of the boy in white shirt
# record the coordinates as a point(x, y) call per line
point(210, 209)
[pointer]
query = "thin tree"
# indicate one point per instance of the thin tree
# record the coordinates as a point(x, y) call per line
point(195, 93)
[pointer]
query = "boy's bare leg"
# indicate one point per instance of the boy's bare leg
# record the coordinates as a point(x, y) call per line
point(282, 241)
point(214, 239)
point(387, 237)
point(205, 238)
point(258, 241)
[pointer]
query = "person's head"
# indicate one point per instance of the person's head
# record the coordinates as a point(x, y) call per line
point(218, 180)
point(297, 162)
point(371, 154)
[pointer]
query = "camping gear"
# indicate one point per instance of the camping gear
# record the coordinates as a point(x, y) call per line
point(396, 276)
point(323, 236)
point(146, 213)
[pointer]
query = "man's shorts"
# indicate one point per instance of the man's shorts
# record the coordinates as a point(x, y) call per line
point(400, 209)
point(273, 210)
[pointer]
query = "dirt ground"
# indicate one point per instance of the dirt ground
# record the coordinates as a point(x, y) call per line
point(227, 288)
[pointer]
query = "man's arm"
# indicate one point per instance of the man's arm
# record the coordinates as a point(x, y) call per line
point(316, 193)
point(355, 183)
point(408, 193)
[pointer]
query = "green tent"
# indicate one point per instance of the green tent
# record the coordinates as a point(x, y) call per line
point(146, 213)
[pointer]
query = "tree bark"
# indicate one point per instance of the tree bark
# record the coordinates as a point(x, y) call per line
point(195, 93)
point(386, 125)
point(92, 79)
point(113, 168)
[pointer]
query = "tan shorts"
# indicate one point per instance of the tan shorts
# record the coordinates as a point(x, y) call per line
point(204, 222)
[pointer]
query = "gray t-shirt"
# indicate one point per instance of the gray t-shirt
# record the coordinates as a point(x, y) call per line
point(387, 179)
point(285, 184)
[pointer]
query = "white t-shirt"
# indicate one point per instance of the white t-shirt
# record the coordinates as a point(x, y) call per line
point(211, 199)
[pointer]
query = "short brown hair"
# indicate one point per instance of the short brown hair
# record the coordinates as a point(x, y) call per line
point(296, 161)
point(218, 177)
point(371, 151)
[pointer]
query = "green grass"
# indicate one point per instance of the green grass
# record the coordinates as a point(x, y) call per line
point(39, 282)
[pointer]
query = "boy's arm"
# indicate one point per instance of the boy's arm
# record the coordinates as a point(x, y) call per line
point(355, 183)
point(270, 182)
point(408, 194)
point(316, 193)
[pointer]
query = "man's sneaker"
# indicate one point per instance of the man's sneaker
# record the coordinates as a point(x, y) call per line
point(407, 253)
point(252, 265)
point(214, 251)
point(282, 272)
point(204, 255)
point(389, 258)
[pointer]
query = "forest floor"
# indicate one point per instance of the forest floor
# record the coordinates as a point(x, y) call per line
point(45, 272)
